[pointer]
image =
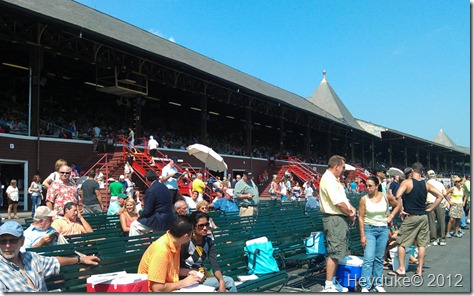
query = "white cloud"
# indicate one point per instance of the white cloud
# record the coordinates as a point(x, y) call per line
point(160, 34)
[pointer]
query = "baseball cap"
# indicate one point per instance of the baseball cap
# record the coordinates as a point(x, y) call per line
point(43, 212)
point(218, 190)
point(431, 173)
point(230, 192)
point(122, 177)
point(122, 195)
point(249, 174)
point(11, 227)
point(174, 158)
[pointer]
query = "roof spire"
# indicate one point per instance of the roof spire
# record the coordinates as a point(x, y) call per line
point(324, 77)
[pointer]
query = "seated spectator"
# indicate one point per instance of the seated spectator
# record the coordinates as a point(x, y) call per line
point(191, 201)
point(226, 204)
point(129, 215)
point(27, 271)
point(161, 259)
point(68, 224)
point(203, 206)
point(40, 233)
point(116, 207)
point(197, 250)
point(158, 209)
point(181, 208)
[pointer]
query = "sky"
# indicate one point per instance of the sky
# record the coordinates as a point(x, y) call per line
point(400, 64)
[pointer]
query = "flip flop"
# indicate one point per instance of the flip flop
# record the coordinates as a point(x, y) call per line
point(395, 273)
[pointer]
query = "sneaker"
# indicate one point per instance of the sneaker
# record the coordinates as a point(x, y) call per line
point(341, 288)
point(458, 235)
point(452, 233)
point(330, 289)
point(442, 243)
point(364, 290)
point(460, 232)
point(380, 289)
point(449, 235)
point(468, 221)
point(434, 243)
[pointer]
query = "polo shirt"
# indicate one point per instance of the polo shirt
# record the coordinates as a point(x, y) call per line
point(68, 227)
point(331, 193)
point(172, 182)
point(33, 234)
point(161, 261)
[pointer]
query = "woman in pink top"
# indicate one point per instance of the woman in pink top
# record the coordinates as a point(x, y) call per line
point(129, 215)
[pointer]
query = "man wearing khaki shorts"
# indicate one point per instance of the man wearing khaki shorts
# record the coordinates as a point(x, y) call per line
point(338, 215)
point(246, 195)
point(415, 227)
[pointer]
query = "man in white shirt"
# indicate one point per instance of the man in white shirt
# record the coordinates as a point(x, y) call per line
point(338, 214)
point(437, 235)
point(169, 177)
point(152, 146)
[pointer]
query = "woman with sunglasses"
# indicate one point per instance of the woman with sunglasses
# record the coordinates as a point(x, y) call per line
point(456, 198)
point(197, 250)
point(374, 216)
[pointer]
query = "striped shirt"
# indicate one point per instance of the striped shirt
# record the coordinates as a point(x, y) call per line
point(37, 267)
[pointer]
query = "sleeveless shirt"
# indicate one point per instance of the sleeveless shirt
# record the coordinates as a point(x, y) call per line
point(414, 202)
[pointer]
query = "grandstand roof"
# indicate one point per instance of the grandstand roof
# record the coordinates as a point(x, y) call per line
point(443, 139)
point(91, 21)
point(325, 97)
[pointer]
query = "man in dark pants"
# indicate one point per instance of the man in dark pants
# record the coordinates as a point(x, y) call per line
point(158, 210)
point(437, 234)
point(91, 198)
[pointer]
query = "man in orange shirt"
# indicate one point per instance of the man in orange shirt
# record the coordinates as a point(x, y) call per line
point(161, 259)
point(69, 224)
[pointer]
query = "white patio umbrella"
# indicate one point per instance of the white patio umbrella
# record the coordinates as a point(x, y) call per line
point(349, 167)
point(212, 160)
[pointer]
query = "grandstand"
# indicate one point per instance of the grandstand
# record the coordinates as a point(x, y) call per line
point(67, 68)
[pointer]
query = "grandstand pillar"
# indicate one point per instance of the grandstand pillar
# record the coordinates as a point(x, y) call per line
point(428, 159)
point(307, 142)
point(352, 144)
point(437, 162)
point(36, 66)
point(248, 115)
point(204, 119)
point(329, 141)
point(372, 151)
point(138, 117)
point(363, 153)
point(390, 154)
point(406, 155)
point(282, 134)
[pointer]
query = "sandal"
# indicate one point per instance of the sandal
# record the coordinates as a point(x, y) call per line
point(16, 217)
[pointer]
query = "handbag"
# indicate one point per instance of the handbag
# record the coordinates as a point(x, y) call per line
point(315, 243)
point(260, 258)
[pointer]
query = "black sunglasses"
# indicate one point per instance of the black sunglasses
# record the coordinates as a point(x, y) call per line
point(201, 226)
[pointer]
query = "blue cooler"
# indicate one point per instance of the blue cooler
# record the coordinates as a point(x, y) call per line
point(349, 271)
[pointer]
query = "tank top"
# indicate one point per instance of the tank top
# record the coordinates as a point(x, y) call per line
point(375, 212)
point(457, 195)
point(414, 202)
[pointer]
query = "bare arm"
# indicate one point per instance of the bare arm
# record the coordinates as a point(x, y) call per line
point(361, 220)
point(89, 260)
point(84, 222)
point(190, 280)
point(439, 196)
point(123, 222)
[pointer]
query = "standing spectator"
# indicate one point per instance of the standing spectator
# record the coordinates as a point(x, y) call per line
point(35, 190)
point(1, 191)
point(338, 214)
point(152, 146)
point(296, 192)
point(115, 188)
point(199, 186)
point(437, 234)
point(275, 188)
point(415, 227)
point(246, 193)
point(237, 179)
point(467, 190)
point(158, 210)
point(161, 259)
point(123, 182)
point(27, 271)
point(374, 216)
point(283, 192)
point(72, 222)
point(131, 139)
point(61, 191)
point(91, 198)
point(13, 196)
point(457, 199)
point(169, 177)
point(54, 176)
point(392, 190)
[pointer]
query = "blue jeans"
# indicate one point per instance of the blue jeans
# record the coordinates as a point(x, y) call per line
point(463, 222)
point(372, 268)
point(229, 283)
point(35, 202)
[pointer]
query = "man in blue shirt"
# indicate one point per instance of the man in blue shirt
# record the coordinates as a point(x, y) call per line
point(27, 271)
point(227, 203)
point(116, 207)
